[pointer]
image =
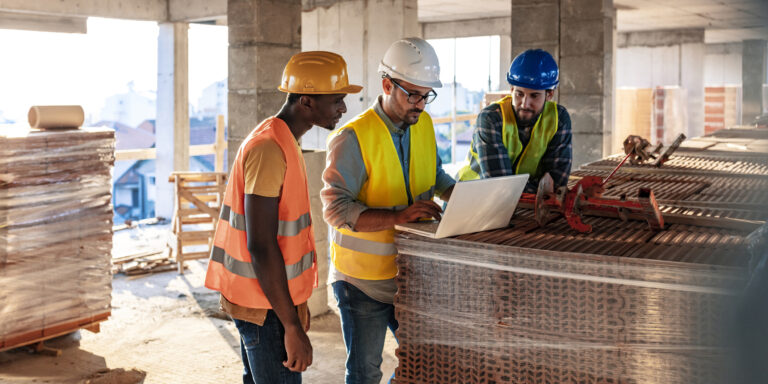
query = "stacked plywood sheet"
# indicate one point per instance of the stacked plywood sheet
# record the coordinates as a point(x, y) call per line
point(55, 231)
point(622, 304)
point(633, 115)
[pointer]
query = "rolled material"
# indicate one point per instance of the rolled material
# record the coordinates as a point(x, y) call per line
point(56, 116)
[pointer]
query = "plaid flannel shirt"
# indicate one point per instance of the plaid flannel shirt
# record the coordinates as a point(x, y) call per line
point(492, 154)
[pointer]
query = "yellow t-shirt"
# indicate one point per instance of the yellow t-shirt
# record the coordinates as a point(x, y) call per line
point(264, 173)
point(264, 169)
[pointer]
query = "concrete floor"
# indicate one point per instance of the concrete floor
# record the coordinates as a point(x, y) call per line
point(165, 325)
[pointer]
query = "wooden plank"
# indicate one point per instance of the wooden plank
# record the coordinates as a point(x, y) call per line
point(462, 117)
point(206, 189)
point(200, 204)
point(206, 198)
point(196, 255)
point(125, 259)
point(195, 235)
point(50, 332)
point(191, 242)
point(196, 176)
point(196, 220)
point(220, 146)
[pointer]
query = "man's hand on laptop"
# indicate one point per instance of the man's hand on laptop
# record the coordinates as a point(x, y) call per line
point(422, 209)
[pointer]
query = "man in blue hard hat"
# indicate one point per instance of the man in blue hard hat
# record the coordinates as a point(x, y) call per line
point(524, 132)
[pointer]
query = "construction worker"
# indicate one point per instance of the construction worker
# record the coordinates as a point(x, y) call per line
point(263, 261)
point(524, 132)
point(382, 169)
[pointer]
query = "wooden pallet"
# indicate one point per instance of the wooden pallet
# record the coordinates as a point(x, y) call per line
point(199, 196)
point(91, 323)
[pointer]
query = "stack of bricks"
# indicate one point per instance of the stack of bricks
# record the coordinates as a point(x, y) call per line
point(722, 108)
point(622, 304)
point(549, 305)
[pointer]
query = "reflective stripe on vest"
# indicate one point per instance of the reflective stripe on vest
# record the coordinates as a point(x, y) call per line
point(284, 228)
point(245, 269)
point(527, 158)
point(371, 255)
point(362, 245)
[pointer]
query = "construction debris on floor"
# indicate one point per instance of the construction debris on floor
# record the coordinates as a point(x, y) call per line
point(55, 232)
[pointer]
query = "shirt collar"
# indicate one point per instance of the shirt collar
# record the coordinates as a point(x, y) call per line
point(387, 121)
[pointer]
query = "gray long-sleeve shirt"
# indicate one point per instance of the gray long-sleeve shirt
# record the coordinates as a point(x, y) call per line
point(344, 177)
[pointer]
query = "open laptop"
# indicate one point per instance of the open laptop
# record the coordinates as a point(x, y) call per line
point(475, 205)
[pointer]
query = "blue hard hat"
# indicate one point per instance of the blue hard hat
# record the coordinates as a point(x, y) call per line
point(534, 69)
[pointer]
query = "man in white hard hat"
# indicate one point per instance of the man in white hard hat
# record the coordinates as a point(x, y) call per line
point(382, 169)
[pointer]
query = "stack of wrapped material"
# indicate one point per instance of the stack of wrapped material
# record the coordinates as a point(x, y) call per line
point(55, 231)
point(622, 304)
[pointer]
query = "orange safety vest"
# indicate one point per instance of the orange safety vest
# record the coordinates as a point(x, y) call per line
point(230, 270)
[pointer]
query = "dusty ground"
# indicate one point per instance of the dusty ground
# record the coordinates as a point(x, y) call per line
point(164, 329)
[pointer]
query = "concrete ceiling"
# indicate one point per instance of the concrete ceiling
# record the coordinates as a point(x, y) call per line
point(723, 20)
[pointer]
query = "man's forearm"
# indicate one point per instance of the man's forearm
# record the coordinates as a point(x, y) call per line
point(372, 220)
point(270, 271)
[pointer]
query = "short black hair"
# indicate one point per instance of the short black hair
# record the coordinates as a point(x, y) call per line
point(293, 98)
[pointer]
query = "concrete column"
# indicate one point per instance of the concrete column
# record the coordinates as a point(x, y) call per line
point(505, 59)
point(263, 35)
point(172, 124)
point(754, 65)
point(580, 36)
point(360, 31)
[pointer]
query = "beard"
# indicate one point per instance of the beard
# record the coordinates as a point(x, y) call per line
point(410, 120)
point(526, 122)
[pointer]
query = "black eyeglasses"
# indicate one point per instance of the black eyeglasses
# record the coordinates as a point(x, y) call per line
point(415, 98)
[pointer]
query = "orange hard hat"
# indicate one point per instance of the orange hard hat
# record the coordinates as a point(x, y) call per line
point(317, 73)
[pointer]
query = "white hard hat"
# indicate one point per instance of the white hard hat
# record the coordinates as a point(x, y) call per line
point(412, 59)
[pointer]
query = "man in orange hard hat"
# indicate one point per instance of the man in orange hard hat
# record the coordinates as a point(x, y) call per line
point(263, 261)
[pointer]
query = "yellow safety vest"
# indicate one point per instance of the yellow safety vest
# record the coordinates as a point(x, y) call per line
point(371, 255)
point(543, 132)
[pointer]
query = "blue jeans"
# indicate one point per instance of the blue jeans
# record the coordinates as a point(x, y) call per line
point(364, 323)
point(263, 351)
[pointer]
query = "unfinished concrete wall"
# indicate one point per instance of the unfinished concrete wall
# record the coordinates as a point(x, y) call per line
point(666, 58)
point(754, 68)
point(722, 64)
point(263, 35)
point(360, 31)
point(580, 36)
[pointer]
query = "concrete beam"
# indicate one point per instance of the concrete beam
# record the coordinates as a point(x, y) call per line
point(724, 48)
point(43, 23)
point(172, 111)
point(198, 10)
point(156, 10)
point(467, 28)
point(660, 38)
